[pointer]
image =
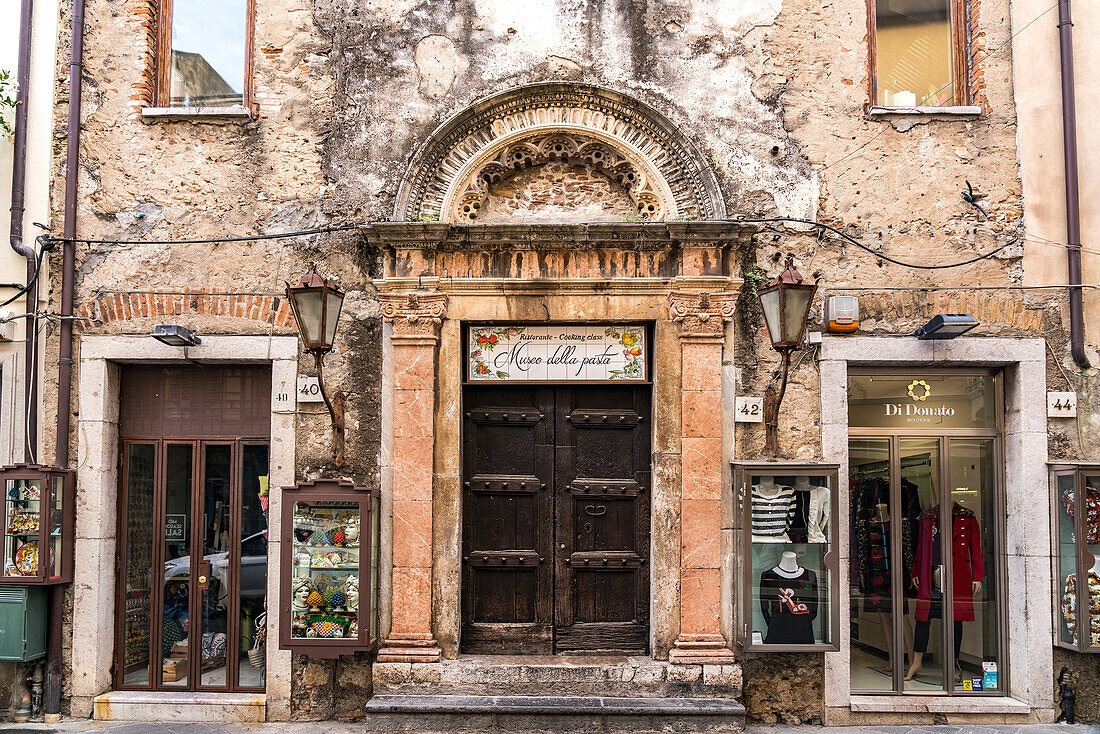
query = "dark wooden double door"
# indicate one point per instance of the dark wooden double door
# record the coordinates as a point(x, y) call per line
point(555, 542)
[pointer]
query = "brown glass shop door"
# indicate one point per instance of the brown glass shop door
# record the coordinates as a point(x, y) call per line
point(556, 519)
point(192, 542)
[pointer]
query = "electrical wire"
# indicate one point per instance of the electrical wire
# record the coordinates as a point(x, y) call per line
point(214, 240)
point(887, 258)
point(30, 283)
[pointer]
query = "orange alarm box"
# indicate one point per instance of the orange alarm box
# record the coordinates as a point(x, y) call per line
point(841, 314)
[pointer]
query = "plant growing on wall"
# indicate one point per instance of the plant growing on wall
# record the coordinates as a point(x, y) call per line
point(7, 103)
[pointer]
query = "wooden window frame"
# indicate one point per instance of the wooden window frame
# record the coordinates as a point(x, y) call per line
point(163, 55)
point(959, 17)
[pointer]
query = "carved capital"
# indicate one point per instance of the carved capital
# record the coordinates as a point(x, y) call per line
point(701, 314)
point(414, 315)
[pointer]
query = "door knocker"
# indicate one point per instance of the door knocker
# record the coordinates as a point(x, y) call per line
point(595, 510)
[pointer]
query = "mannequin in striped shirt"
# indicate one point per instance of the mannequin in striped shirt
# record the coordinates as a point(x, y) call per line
point(772, 510)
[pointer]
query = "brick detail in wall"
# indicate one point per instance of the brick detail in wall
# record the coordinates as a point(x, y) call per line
point(977, 54)
point(1005, 309)
point(143, 22)
point(111, 307)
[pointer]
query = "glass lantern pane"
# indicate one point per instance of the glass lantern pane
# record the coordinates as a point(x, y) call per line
point(309, 315)
point(794, 312)
point(22, 511)
point(324, 586)
point(332, 316)
point(769, 301)
point(791, 585)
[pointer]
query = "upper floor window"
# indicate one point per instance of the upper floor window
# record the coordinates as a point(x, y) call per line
point(918, 53)
point(204, 53)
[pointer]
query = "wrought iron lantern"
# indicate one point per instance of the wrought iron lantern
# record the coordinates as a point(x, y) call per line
point(786, 306)
point(316, 305)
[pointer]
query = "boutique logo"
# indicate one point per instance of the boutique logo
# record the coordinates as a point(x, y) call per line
point(922, 387)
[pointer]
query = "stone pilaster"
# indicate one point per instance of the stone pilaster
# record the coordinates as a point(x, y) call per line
point(416, 318)
point(702, 318)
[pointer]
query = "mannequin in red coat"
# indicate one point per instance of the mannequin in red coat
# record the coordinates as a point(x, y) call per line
point(967, 573)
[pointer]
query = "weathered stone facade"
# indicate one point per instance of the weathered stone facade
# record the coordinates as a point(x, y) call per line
point(497, 131)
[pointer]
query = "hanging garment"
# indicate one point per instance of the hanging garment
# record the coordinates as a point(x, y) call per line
point(771, 514)
point(966, 562)
point(1070, 611)
point(1092, 513)
point(789, 604)
point(817, 514)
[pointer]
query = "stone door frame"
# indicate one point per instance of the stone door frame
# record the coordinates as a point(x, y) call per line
point(691, 327)
point(93, 634)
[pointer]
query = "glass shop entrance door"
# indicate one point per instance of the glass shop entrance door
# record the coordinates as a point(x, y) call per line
point(925, 509)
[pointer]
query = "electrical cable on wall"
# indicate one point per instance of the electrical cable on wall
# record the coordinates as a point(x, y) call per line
point(349, 227)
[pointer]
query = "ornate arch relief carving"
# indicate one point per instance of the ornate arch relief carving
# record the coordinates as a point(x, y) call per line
point(650, 197)
point(628, 141)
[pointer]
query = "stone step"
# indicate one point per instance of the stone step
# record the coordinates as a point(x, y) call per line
point(589, 676)
point(557, 714)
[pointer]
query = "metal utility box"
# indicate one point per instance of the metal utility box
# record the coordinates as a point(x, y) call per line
point(22, 622)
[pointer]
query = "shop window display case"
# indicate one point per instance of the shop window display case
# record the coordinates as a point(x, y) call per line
point(785, 518)
point(1076, 490)
point(330, 562)
point(38, 524)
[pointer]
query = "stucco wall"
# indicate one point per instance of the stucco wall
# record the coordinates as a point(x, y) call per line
point(771, 93)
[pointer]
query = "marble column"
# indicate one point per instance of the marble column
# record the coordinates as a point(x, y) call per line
point(416, 318)
point(702, 318)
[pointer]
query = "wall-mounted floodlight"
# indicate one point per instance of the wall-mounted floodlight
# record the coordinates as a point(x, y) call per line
point(175, 336)
point(946, 326)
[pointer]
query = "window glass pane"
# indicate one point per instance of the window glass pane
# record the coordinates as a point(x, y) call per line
point(208, 43)
point(215, 572)
point(22, 514)
point(974, 567)
point(138, 561)
point(913, 53)
point(790, 520)
point(871, 583)
point(1067, 558)
point(1080, 604)
point(922, 564)
point(921, 400)
point(57, 525)
point(175, 625)
point(253, 590)
point(324, 587)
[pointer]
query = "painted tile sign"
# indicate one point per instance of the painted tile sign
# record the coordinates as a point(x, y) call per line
point(557, 353)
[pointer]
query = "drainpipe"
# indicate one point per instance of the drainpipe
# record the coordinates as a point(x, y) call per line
point(1073, 202)
point(15, 229)
point(65, 348)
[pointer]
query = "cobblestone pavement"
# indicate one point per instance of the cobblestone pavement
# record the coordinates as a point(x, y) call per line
point(327, 727)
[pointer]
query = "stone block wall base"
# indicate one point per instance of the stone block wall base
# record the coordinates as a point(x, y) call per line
point(411, 647)
point(700, 650)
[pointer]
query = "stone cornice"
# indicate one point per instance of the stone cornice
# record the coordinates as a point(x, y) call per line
point(559, 286)
point(446, 237)
point(701, 314)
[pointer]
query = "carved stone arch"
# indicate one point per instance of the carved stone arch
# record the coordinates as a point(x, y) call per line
point(624, 139)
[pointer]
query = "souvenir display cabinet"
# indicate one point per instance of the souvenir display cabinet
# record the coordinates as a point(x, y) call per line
point(785, 518)
point(330, 568)
point(38, 524)
point(1076, 535)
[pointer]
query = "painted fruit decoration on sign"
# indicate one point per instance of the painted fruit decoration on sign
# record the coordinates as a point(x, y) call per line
point(557, 353)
